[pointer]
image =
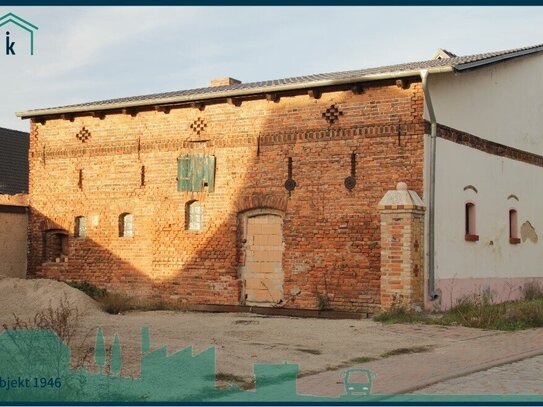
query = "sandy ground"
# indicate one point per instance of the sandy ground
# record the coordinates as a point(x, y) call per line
point(240, 339)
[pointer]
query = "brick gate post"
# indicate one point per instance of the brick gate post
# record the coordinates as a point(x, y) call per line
point(402, 248)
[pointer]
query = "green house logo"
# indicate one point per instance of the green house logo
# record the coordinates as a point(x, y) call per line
point(10, 20)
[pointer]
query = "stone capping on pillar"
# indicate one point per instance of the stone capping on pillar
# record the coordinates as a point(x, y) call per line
point(402, 248)
point(400, 199)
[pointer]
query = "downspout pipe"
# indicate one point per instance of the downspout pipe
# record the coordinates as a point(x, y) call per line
point(432, 293)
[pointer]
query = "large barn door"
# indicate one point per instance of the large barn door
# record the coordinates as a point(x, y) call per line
point(262, 274)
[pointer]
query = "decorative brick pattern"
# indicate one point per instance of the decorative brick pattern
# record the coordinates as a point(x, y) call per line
point(35, 133)
point(83, 135)
point(198, 126)
point(331, 115)
point(122, 147)
point(331, 235)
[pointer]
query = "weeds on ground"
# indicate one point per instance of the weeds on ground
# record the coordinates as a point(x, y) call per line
point(479, 311)
point(322, 301)
point(405, 351)
point(64, 321)
point(475, 311)
point(362, 359)
point(112, 303)
point(532, 291)
point(117, 303)
point(310, 351)
point(90, 289)
point(229, 378)
point(401, 314)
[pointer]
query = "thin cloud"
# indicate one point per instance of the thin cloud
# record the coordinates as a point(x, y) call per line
point(92, 53)
point(89, 38)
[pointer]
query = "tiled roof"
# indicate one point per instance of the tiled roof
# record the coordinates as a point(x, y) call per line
point(457, 63)
point(13, 161)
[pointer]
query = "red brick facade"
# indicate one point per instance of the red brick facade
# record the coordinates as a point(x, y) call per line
point(101, 167)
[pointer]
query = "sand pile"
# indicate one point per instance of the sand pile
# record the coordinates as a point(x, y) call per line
point(26, 297)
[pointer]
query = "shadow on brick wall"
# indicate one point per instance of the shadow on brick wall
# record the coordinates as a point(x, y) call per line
point(330, 232)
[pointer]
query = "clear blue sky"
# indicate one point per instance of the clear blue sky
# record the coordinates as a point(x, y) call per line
point(92, 53)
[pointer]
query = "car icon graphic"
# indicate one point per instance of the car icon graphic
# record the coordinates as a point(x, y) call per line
point(358, 382)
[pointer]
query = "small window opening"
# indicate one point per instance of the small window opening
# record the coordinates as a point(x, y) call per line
point(470, 232)
point(126, 225)
point(194, 216)
point(513, 227)
point(80, 227)
point(142, 183)
point(56, 246)
point(80, 181)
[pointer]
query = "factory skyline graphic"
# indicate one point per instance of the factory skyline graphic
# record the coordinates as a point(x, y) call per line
point(35, 368)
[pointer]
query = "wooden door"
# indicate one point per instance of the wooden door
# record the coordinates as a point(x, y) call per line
point(263, 272)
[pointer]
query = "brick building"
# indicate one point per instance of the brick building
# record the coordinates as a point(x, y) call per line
point(260, 194)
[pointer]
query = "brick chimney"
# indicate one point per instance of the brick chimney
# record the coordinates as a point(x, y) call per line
point(224, 81)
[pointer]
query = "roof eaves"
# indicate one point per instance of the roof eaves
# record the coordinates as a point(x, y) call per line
point(498, 58)
point(230, 93)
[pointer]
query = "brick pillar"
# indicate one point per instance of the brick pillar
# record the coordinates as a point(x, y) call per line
point(402, 248)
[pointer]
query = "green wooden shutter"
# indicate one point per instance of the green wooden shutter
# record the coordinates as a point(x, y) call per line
point(209, 173)
point(197, 172)
point(184, 181)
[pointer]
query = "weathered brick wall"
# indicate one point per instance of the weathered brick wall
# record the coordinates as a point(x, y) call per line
point(331, 234)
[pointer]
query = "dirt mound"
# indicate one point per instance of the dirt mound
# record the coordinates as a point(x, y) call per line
point(26, 297)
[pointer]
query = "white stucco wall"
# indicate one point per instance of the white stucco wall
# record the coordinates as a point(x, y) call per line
point(502, 103)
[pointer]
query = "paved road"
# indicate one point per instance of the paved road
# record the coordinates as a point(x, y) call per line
point(523, 377)
point(462, 359)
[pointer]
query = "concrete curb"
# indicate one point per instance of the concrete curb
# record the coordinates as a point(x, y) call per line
point(482, 367)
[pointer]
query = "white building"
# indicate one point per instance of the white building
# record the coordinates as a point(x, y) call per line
point(488, 175)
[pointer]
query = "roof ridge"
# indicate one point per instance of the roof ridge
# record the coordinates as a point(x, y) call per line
point(312, 80)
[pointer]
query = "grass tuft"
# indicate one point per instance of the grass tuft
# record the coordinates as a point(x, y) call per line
point(90, 289)
point(310, 351)
point(401, 315)
point(406, 351)
point(239, 381)
point(117, 303)
point(532, 291)
point(362, 359)
point(478, 311)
